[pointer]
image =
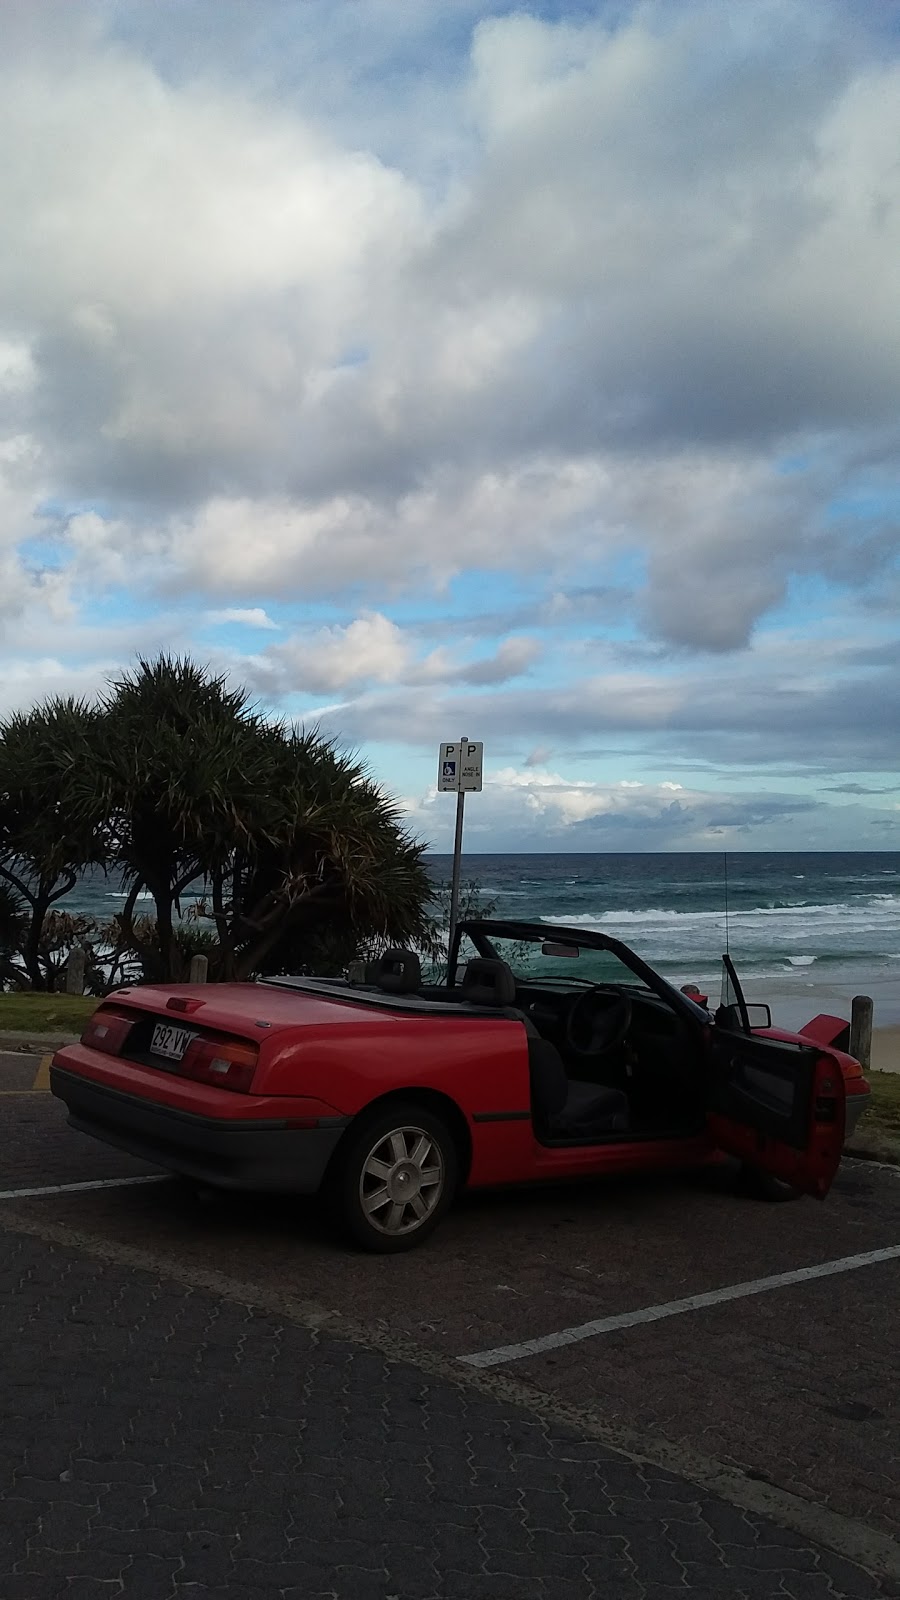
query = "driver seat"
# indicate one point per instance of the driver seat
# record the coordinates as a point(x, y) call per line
point(568, 1108)
point(562, 1107)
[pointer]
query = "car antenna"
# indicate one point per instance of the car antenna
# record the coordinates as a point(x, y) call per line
point(727, 946)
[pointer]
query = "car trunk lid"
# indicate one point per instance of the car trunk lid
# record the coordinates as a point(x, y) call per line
point(214, 1032)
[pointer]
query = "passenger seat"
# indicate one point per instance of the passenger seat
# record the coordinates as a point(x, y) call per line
point(562, 1107)
point(396, 972)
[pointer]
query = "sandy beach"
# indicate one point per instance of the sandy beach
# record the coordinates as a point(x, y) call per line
point(886, 1049)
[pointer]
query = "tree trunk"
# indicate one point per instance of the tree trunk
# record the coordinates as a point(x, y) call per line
point(246, 961)
point(165, 941)
point(227, 973)
point(314, 901)
point(31, 952)
point(126, 915)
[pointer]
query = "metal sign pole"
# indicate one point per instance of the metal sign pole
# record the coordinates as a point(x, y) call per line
point(457, 857)
point(460, 768)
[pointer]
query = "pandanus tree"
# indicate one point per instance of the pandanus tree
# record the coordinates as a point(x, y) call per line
point(173, 773)
point(46, 757)
point(293, 847)
point(327, 871)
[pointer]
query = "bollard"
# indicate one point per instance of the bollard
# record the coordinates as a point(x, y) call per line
point(199, 969)
point(861, 1012)
point(75, 971)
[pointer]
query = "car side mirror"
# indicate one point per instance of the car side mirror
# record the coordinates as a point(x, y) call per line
point(760, 1016)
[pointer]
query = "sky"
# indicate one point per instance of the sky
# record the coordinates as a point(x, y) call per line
point(447, 368)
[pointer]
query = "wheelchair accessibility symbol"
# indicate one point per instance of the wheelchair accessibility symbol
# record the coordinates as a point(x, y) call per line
point(459, 765)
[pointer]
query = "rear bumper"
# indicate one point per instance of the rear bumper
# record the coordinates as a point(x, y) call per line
point(855, 1106)
point(255, 1155)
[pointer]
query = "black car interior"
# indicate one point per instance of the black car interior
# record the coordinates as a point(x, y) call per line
point(603, 1063)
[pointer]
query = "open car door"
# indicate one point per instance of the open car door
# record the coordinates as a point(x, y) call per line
point(777, 1106)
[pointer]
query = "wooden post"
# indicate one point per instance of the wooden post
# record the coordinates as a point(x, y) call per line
point(861, 1012)
point(75, 971)
point(199, 969)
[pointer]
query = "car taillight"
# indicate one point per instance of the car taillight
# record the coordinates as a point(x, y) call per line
point(230, 1063)
point(108, 1029)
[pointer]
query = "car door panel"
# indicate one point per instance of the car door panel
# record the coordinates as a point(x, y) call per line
point(777, 1106)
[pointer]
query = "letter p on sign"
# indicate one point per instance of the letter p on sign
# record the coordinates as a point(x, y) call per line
point(460, 766)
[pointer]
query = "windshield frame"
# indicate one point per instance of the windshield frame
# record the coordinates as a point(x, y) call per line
point(480, 930)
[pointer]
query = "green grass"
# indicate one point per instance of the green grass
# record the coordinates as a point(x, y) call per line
point(45, 1013)
point(878, 1133)
point(884, 1108)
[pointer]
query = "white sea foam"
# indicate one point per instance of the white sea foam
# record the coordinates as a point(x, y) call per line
point(885, 908)
point(858, 928)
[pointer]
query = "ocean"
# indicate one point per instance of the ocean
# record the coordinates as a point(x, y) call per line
point(806, 932)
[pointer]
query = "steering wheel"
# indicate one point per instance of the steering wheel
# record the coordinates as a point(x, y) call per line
point(592, 1029)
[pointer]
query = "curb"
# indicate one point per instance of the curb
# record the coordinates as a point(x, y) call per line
point(887, 1151)
point(35, 1043)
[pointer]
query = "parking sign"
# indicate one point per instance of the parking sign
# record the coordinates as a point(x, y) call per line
point(460, 766)
point(459, 772)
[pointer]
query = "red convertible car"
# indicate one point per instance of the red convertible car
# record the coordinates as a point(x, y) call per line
point(550, 1053)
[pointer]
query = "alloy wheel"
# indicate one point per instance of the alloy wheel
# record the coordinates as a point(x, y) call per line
point(402, 1181)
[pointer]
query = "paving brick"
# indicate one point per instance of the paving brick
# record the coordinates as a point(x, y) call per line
point(210, 1454)
point(149, 1577)
point(771, 1558)
point(51, 1490)
point(63, 1527)
point(86, 1589)
point(58, 1565)
point(29, 1586)
point(693, 1542)
point(849, 1581)
point(497, 1586)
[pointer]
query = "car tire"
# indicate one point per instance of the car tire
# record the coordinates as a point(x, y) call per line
point(760, 1185)
point(377, 1189)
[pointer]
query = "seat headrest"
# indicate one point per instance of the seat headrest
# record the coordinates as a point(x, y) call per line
point(488, 983)
point(396, 972)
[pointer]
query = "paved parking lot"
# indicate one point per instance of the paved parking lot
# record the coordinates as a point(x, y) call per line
point(780, 1404)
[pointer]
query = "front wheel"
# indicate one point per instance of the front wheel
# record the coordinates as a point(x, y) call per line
point(760, 1185)
point(396, 1178)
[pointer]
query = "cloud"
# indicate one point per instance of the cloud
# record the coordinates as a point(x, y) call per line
point(548, 811)
point(796, 706)
point(371, 649)
point(254, 617)
point(539, 756)
point(488, 347)
point(511, 659)
point(26, 682)
point(860, 788)
point(374, 650)
point(288, 360)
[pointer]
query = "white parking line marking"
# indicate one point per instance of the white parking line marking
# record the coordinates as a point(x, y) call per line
point(674, 1308)
point(71, 1188)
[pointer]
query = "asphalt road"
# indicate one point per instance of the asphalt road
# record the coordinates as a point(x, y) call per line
point(747, 1447)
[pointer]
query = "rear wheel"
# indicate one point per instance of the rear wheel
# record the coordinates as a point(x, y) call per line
point(395, 1178)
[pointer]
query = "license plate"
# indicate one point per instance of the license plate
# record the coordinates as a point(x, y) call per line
point(170, 1042)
